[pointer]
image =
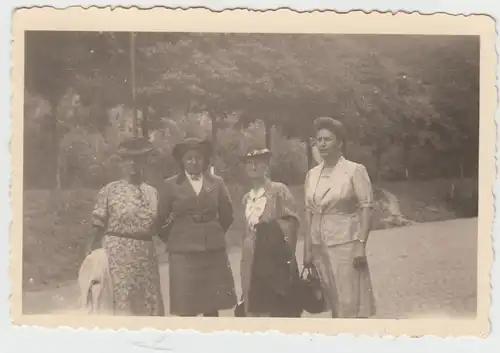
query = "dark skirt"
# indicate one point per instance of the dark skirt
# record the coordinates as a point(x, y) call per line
point(200, 282)
point(274, 275)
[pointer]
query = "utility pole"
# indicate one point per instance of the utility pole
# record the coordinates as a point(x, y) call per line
point(132, 83)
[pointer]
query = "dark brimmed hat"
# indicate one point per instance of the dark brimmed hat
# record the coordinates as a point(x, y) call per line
point(257, 153)
point(192, 143)
point(332, 125)
point(134, 146)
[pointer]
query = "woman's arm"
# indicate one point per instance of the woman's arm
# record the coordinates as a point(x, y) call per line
point(364, 193)
point(307, 233)
point(225, 206)
point(307, 240)
point(99, 220)
point(165, 218)
point(288, 217)
point(365, 224)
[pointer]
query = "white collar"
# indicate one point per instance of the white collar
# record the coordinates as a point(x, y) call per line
point(256, 194)
point(190, 177)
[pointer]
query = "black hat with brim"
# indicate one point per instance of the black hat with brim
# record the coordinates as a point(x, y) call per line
point(133, 147)
point(192, 143)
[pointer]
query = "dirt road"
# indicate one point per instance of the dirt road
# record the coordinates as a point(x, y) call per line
point(418, 271)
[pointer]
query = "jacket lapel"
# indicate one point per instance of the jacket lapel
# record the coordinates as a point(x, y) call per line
point(313, 180)
point(208, 184)
point(205, 197)
point(338, 178)
point(185, 187)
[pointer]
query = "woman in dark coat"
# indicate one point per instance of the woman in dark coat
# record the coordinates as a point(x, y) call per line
point(197, 210)
point(268, 265)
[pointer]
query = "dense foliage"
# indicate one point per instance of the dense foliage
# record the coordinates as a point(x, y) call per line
point(410, 104)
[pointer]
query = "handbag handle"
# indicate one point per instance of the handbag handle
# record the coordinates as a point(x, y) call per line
point(311, 270)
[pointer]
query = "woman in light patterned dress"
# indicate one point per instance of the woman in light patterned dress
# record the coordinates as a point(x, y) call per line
point(339, 201)
point(268, 265)
point(124, 222)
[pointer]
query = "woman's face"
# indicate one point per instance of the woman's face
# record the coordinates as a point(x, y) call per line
point(327, 143)
point(193, 162)
point(256, 168)
point(133, 167)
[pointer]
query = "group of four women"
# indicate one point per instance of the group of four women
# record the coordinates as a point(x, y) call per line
point(193, 211)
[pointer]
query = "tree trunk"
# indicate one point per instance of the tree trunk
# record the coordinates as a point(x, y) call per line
point(180, 110)
point(145, 121)
point(309, 154)
point(54, 147)
point(316, 155)
point(132, 84)
point(378, 161)
point(268, 128)
point(406, 160)
point(215, 127)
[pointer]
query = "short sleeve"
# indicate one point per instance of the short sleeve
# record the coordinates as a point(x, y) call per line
point(306, 190)
point(286, 201)
point(100, 212)
point(363, 187)
point(152, 195)
point(244, 200)
point(288, 218)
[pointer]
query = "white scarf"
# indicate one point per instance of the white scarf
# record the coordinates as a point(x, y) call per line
point(256, 204)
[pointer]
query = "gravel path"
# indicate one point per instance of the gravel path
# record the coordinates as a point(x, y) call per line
point(418, 271)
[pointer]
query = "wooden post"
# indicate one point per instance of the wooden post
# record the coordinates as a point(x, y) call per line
point(132, 83)
point(268, 138)
point(215, 127)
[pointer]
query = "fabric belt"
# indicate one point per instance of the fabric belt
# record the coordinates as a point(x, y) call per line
point(199, 217)
point(136, 236)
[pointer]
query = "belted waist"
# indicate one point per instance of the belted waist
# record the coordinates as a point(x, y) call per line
point(145, 236)
point(199, 217)
point(333, 213)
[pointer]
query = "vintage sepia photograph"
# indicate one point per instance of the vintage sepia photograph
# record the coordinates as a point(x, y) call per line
point(293, 175)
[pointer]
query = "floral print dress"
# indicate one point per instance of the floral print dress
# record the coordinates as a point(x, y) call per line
point(128, 215)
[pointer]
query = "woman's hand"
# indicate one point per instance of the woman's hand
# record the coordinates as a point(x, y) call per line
point(359, 256)
point(308, 260)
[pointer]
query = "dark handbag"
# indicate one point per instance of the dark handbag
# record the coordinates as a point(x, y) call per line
point(239, 310)
point(310, 291)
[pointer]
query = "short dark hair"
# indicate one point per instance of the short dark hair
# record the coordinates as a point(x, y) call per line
point(334, 126)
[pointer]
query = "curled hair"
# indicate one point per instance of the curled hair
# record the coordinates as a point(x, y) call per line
point(334, 126)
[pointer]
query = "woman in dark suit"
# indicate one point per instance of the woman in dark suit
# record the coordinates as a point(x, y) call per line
point(197, 210)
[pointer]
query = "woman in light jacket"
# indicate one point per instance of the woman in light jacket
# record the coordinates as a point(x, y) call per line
point(339, 201)
point(197, 212)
